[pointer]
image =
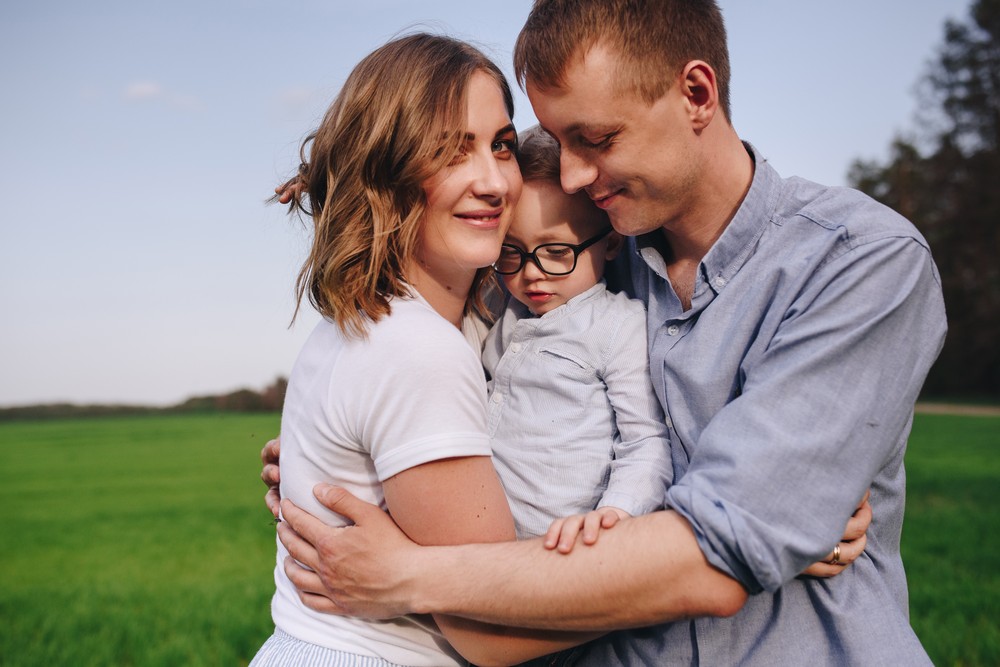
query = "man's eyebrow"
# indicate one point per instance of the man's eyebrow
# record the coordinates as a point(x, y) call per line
point(583, 127)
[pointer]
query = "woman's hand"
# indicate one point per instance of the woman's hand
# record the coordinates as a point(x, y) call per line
point(271, 475)
point(294, 188)
point(850, 547)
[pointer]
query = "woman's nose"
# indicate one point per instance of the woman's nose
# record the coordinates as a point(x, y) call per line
point(490, 180)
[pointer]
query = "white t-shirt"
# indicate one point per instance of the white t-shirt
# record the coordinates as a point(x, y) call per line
point(358, 412)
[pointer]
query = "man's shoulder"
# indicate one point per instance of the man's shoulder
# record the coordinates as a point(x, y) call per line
point(847, 212)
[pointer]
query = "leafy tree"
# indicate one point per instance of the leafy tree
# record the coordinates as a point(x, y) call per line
point(947, 181)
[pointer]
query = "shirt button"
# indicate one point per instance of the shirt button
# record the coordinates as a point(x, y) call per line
point(515, 347)
point(673, 329)
point(497, 398)
point(720, 281)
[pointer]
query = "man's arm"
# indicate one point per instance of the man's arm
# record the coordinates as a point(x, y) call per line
point(823, 411)
point(458, 501)
point(648, 570)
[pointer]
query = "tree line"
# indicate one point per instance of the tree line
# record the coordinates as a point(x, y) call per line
point(945, 177)
point(270, 399)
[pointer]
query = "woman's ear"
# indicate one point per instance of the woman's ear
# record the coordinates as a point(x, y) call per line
point(615, 243)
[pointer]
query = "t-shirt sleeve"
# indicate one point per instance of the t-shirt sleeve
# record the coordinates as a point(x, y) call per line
point(423, 398)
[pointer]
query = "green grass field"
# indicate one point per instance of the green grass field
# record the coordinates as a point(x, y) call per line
point(951, 537)
point(135, 541)
point(144, 541)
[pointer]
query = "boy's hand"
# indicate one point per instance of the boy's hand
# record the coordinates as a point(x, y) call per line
point(562, 533)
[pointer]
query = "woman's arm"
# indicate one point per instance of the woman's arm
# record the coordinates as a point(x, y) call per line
point(460, 501)
point(648, 570)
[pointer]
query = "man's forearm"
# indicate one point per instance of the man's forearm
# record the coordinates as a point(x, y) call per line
point(646, 570)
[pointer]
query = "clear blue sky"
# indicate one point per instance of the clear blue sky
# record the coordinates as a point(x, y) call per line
point(139, 140)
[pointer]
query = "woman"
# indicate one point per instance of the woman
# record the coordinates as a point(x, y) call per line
point(412, 179)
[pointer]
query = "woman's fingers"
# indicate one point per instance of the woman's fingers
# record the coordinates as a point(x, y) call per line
point(273, 501)
point(843, 555)
point(858, 524)
point(271, 451)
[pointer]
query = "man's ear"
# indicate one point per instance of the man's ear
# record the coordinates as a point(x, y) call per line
point(615, 243)
point(700, 89)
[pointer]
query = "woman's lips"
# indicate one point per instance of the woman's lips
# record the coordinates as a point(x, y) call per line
point(485, 218)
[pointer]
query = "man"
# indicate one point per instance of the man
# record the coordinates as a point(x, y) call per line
point(790, 329)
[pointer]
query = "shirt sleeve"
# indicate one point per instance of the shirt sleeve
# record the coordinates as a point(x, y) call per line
point(641, 469)
point(778, 470)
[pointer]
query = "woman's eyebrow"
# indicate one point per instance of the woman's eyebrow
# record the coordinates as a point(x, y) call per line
point(507, 129)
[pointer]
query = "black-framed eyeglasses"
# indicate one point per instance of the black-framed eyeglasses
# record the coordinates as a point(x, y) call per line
point(554, 259)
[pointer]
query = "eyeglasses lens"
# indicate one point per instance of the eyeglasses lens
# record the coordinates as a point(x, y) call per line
point(553, 258)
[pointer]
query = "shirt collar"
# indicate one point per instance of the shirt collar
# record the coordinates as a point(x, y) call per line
point(736, 244)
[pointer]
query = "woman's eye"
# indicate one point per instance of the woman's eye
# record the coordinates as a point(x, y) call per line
point(503, 146)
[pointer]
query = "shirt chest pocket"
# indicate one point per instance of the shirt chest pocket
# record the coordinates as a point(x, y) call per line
point(560, 362)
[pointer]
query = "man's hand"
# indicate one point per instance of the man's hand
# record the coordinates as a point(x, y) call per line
point(271, 475)
point(357, 570)
point(563, 532)
point(850, 547)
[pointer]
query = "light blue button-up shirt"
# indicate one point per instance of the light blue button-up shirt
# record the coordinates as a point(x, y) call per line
point(789, 386)
point(573, 420)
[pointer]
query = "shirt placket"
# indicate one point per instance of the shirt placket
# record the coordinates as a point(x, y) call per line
point(514, 353)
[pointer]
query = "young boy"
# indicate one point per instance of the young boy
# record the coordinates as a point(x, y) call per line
point(568, 369)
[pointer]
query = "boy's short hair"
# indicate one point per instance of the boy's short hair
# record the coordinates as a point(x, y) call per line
point(538, 155)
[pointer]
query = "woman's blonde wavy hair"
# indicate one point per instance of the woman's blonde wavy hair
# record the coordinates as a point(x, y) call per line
point(398, 120)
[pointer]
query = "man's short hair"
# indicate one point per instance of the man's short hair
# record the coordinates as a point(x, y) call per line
point(655, 39)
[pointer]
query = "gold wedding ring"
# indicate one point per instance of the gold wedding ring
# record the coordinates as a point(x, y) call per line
point(836, 556)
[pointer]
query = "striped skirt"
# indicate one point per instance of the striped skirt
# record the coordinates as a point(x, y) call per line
point(281, 650)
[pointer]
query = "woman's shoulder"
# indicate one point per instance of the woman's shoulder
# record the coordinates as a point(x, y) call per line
point(412, 318)
point(415, 332)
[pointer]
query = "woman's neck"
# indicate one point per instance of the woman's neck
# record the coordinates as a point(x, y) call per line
point(446, 294)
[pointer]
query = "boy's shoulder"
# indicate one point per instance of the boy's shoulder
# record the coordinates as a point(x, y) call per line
point(619, 301)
